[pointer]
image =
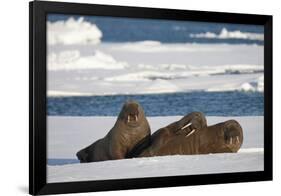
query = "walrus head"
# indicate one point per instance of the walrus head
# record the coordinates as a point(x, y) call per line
point(132, 113)
point(222, 137)
point(191, 123)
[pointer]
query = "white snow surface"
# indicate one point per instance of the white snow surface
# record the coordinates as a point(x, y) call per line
point(67, 135)
point(226, 34)
point(152, 67)
point(72, 31)
point(158, 166)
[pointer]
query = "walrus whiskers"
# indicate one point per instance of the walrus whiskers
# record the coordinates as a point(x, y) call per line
point(187, 125)
point(193, 130)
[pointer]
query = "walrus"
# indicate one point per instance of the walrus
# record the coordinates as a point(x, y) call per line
point(225, 137)
point(130, 128)
point(191, 135)
point(179, 129)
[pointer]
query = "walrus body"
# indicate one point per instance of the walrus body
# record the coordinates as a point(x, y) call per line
point(130, 128)
point(191, 135)
point(176, 138)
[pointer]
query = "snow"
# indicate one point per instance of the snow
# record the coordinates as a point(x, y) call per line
point(159, 166)
point(72, 60)
point(153, 67)
point(150, 46)
point(73, 31)
point(225, 34)
point(79, 63)
point(66, 135)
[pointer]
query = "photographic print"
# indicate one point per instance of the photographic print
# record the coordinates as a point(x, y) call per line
point(135, 98)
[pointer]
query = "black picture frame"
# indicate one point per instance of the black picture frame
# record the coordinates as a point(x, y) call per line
point(37, 97)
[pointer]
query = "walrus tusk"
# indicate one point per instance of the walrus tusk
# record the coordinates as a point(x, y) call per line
point(128, 119)
point(193, 130)
point(230, 140)
point(136, 118)
point(187, 125)
point(237, 137)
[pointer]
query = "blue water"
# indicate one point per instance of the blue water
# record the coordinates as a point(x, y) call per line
point(166, 31)
point(211, 103)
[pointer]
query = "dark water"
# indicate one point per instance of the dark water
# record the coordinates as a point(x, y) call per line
point(166, 31)
point(211, 103)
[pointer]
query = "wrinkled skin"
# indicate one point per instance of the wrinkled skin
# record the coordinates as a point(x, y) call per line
point(191, 135)
point(170, 139)
point(130, 128)
point(221, 138)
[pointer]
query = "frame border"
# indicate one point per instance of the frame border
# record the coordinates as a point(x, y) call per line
point(37, 97)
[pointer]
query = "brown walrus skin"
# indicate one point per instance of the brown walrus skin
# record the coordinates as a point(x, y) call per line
point(130, 128)
point(171, 139)
point(221, 138)
point(190, 135)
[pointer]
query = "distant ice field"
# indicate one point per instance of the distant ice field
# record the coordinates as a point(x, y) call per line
point(106, 56)
point(109, 69)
